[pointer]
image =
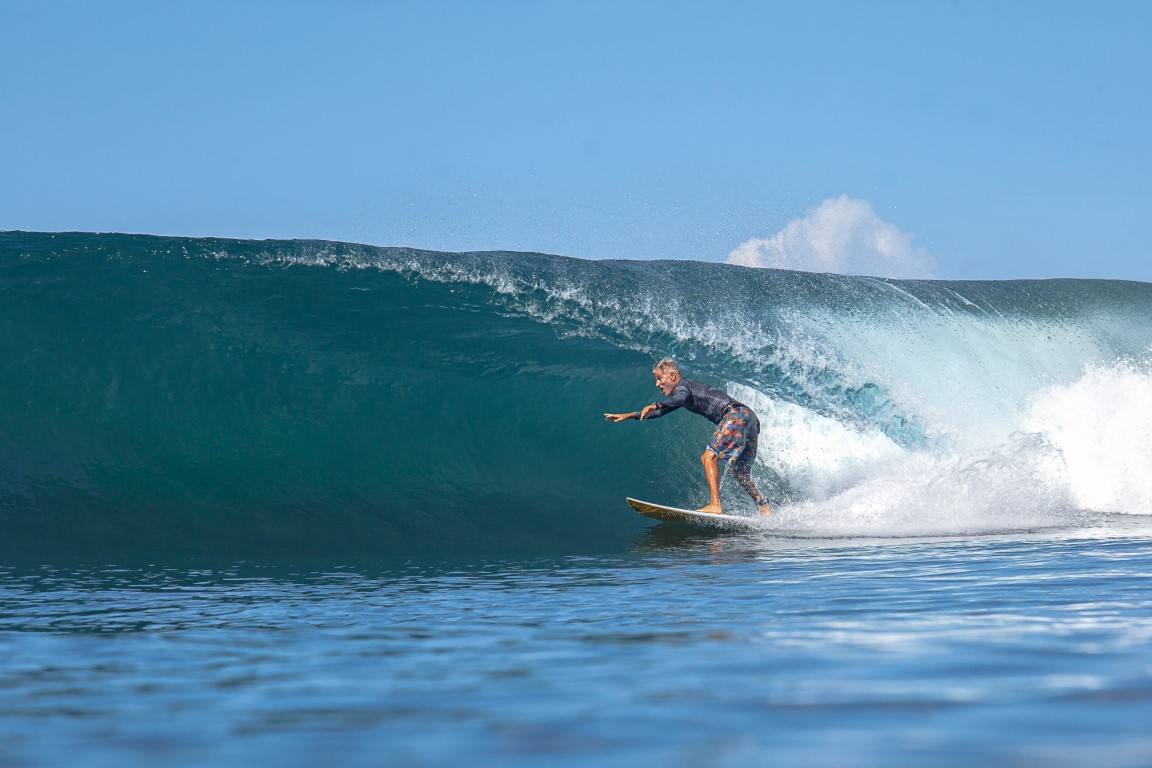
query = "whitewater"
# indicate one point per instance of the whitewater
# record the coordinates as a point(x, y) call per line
point(302, 500)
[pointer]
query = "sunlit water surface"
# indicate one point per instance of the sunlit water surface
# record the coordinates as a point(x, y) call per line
point(688, 650)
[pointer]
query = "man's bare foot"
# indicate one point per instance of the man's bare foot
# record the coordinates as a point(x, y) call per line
point(764, 510)
point(712, 509)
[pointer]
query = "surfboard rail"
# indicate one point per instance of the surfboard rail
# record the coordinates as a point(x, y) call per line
point(693, 517)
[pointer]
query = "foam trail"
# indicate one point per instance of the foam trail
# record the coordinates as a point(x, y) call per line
point(1102, 427)
point(1005, 489)
point(818, 455)
point(845, 481)
point(1081, 448)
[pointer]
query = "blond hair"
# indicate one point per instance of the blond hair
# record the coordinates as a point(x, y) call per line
point(667, 364)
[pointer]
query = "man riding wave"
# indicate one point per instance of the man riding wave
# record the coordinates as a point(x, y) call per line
point(733, 444)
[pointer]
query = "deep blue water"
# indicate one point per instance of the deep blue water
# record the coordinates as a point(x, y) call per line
point(688, 650)
point(304, 502)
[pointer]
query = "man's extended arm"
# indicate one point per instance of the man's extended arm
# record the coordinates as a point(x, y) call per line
point(655, 410)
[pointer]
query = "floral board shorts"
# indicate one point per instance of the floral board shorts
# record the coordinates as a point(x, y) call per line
point(734, 441)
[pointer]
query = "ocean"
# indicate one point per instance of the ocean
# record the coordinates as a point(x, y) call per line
point(303, 501)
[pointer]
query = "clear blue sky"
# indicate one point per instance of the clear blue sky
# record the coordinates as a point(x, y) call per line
point(1006, 139)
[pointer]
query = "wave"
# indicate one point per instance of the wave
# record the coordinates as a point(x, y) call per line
point(255, 396)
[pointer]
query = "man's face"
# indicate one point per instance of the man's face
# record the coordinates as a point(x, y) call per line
point(666, 381)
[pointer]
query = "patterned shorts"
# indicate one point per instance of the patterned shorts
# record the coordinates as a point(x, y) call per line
point(734, 441)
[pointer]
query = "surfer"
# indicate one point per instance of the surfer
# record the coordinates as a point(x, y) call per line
point(733, 443)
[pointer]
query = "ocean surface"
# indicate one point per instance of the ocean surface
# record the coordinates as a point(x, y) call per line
point(304, 502)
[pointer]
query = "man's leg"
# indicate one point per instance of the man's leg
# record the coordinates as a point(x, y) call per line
point(744, 477)
point(742, 473)
point(728, 441)
point(712, 474)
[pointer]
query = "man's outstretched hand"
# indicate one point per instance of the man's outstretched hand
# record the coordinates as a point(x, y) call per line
point(616, 417)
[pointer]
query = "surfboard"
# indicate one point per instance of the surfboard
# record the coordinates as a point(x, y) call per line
point(677, 515)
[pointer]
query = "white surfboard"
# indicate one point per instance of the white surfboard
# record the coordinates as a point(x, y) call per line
point(707, 519)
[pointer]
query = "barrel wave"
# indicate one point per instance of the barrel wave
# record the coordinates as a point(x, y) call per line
point(244, 397)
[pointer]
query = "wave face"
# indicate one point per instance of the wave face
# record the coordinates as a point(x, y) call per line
point(172, 394)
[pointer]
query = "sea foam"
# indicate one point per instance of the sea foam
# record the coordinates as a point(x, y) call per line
point(1079, 449)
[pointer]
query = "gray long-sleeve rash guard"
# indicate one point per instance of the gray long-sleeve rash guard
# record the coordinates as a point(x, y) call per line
point(697, 397)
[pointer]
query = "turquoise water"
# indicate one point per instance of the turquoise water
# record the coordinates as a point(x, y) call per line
point(304, 501)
